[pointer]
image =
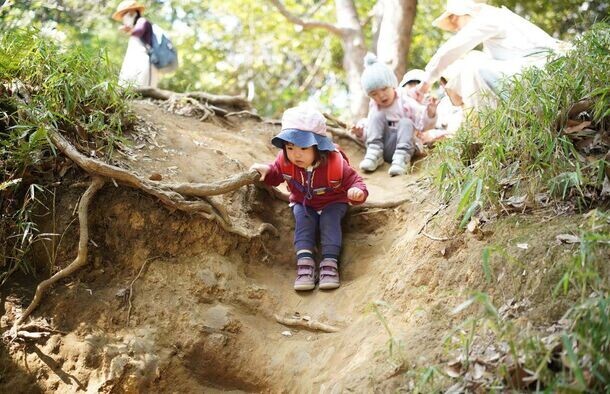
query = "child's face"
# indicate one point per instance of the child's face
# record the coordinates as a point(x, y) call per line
point(383, 97)
point(300, 157)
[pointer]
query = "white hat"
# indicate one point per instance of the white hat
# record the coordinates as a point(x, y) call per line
point(455, 7)
point(376, 75)
point(413, 75)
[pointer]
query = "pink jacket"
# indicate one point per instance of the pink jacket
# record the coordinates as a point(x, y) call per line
point(318, 179)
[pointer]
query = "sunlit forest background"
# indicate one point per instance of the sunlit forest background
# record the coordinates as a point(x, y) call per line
point(247, 47)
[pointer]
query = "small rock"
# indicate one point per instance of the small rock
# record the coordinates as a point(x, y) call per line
point(287, 333)
point(155, 176)
point(122, 293)
point(523, 246)
point(567, 239)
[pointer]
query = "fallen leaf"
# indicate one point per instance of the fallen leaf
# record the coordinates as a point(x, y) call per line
point(454, 371)
point(478, 372)
point(517, 202)
point(577, 127)
point(567, 239)
point(455, 389)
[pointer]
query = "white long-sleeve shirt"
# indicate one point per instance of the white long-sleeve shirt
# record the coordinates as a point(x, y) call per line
point(505, 36)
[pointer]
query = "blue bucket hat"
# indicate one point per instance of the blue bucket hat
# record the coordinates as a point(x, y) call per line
point(303, 126)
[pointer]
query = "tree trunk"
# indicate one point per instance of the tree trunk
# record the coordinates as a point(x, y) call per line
point(354, 50)
point(395, 34)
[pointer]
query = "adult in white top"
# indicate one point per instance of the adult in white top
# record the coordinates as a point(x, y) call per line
point(509, 42)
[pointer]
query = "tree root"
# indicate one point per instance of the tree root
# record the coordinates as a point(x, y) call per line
point(308, 324)
point(275, 192)
point(340, 133)
point(81, 258)
point(245, 113)
point(234, 102)
point(171, 195)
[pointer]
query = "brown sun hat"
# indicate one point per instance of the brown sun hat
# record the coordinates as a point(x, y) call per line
point(126, 6)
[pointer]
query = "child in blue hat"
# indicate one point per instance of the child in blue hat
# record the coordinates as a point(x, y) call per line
point(322, 185)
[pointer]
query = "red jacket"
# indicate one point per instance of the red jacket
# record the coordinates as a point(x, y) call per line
point(319, 179)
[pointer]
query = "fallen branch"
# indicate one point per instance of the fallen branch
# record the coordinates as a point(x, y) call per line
point(31, 335)
point(275, 192)
point(236, 102)
point(383, 204)
point(429, 218)
point(308, 324)
point(81, 257)
point(432, 237)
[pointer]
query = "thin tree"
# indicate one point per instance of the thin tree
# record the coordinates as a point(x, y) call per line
point(392, 46)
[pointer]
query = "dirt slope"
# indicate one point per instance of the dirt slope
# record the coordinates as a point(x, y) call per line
point(202, 309)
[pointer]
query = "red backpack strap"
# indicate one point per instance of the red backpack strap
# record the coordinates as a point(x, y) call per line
point(288, 169)
point(335, 168)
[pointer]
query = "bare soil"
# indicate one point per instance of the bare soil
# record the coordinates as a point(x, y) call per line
point(201, 315)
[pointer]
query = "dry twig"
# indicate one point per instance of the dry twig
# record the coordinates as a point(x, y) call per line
point(308, 324)
point(131, 286)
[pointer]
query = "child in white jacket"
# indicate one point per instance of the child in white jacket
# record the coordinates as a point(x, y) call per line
point(392, 120)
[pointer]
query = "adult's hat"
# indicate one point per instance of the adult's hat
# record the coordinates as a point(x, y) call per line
point(455, 7)
point(304, 126)
point(126, 6)
point(415, 75)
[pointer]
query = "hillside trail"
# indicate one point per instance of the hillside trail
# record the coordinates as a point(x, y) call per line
point(203, 303)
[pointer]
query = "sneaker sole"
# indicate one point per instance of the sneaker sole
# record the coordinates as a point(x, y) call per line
point(329, 286)
point(304, 287)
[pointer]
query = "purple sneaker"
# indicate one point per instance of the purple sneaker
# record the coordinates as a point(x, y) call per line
point(329, 274)
point(306, 269)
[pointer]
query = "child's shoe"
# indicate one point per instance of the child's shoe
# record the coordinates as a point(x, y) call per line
point(372, 159)
point(329, 274)
point(400, 162)
point(306, 269)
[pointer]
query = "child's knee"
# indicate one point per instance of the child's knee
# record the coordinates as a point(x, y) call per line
point(406, 123)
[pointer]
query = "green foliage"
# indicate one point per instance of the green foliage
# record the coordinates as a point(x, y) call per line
point(45, 87)
point(587, 270)
point(559, 17)
point(591, 333)
point(576, 359)
point(516, 149)
point(395, 346)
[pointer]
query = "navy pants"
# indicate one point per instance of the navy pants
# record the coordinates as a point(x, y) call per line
point(307, 222)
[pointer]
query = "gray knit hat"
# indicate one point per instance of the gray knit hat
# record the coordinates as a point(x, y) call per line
point(376, 75)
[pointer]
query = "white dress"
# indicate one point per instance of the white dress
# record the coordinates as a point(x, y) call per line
point(510, 43)
point(137, 69)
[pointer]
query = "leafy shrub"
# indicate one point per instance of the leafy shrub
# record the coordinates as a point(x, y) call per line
point(44, 87)
point(520, 148)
